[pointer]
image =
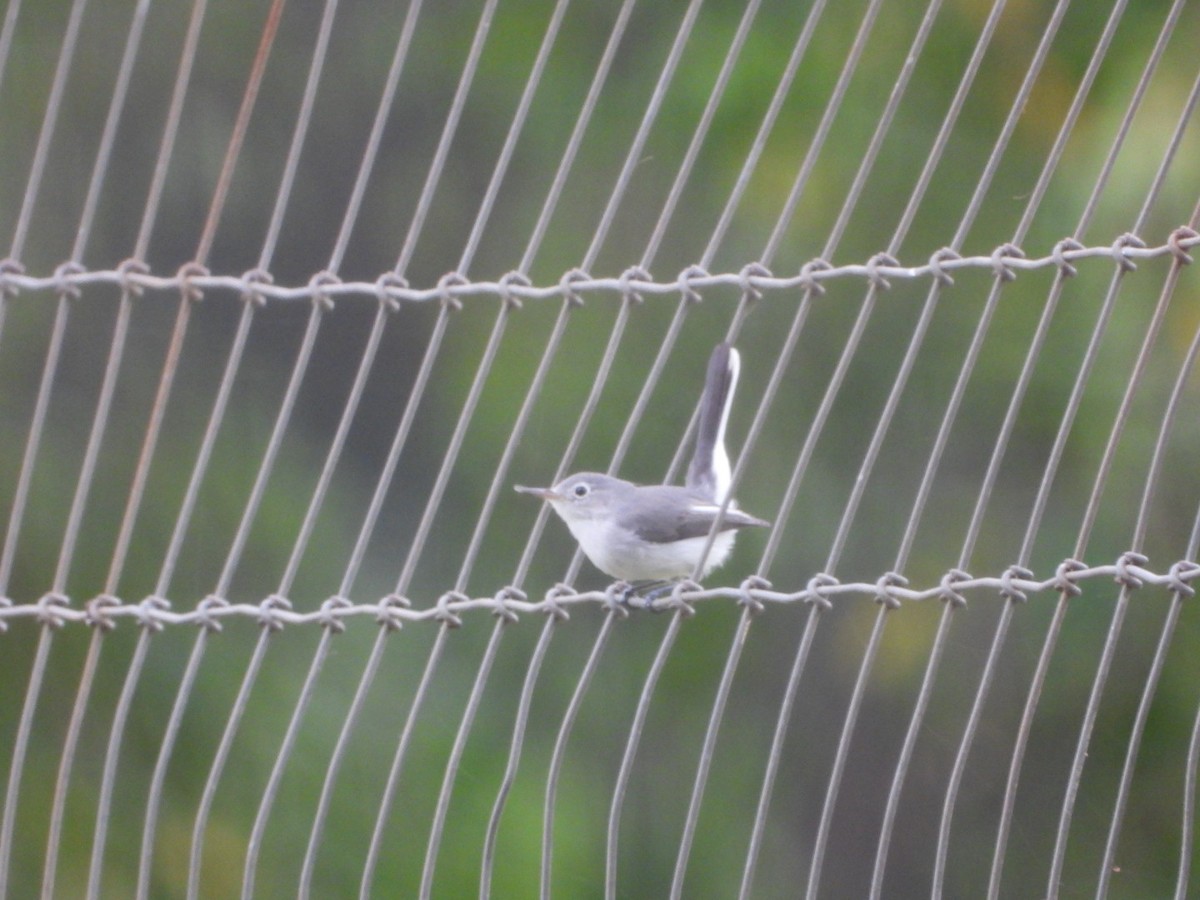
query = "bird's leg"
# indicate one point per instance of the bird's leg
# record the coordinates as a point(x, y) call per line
point(650, 591)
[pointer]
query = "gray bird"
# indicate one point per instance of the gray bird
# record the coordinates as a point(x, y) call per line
point(657, 533)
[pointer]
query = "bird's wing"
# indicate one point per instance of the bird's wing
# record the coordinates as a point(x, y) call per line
point(666, 513)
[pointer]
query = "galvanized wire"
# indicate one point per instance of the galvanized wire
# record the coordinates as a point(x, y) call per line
point(721, 288)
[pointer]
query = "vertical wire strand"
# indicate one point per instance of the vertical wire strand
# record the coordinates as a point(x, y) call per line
point(1137, 730)
point(20, 498)
point(1054, 457)
point(267, 800)
point(707, 751)
point(166, 148)
point(278, 430)
point(297, 553)
point(87, 679)
point(554, 772)
point(520, 722)
point(633, 157)
point(399, 440)
point(586, 110)
point(850, 202)
point(433, 845)
point(835, 778)
point(315, 833)
point(669, 636)
point(775, 756)
point(112, 754)
point(602, 637)
point(1009, 423)
point(631, 745)
point(1117, 429)
point(167, 379)
point(660, 359)
point(121, 326)
point(6, 34)
point(375, 137)
point(62, 70)
point(700, 132)
point(159, 776)
point(217, 766)
point(515, 130)
point(20, 747)
point(375, 846)
point(1187, 825)
point(449, 129)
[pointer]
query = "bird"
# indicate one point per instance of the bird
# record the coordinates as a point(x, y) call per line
point(651, 535)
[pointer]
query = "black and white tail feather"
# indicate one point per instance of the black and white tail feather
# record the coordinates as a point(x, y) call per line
point(710, 473)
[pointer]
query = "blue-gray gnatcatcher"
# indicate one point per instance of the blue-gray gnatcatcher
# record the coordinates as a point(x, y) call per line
point(657, 533)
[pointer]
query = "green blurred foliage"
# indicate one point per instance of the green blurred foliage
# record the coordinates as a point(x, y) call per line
point(361, 50)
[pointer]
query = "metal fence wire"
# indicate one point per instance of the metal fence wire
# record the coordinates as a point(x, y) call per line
point(273, 620)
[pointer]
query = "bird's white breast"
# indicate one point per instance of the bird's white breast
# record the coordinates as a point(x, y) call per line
point(619, 553)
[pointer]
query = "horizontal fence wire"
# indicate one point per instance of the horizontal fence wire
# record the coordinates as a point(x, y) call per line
point(273, 619)
point(276, 612)
point(1006, 261)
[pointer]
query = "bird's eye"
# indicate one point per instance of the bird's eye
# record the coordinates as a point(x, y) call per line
point(580, 491)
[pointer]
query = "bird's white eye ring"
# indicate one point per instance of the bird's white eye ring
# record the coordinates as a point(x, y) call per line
point(580, 491)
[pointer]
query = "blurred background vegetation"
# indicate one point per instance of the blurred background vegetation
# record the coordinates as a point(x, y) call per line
point(363, 43)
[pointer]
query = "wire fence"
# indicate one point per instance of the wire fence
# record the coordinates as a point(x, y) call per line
point(273, 619)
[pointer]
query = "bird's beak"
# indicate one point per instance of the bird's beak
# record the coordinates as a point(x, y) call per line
point(544, 493)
